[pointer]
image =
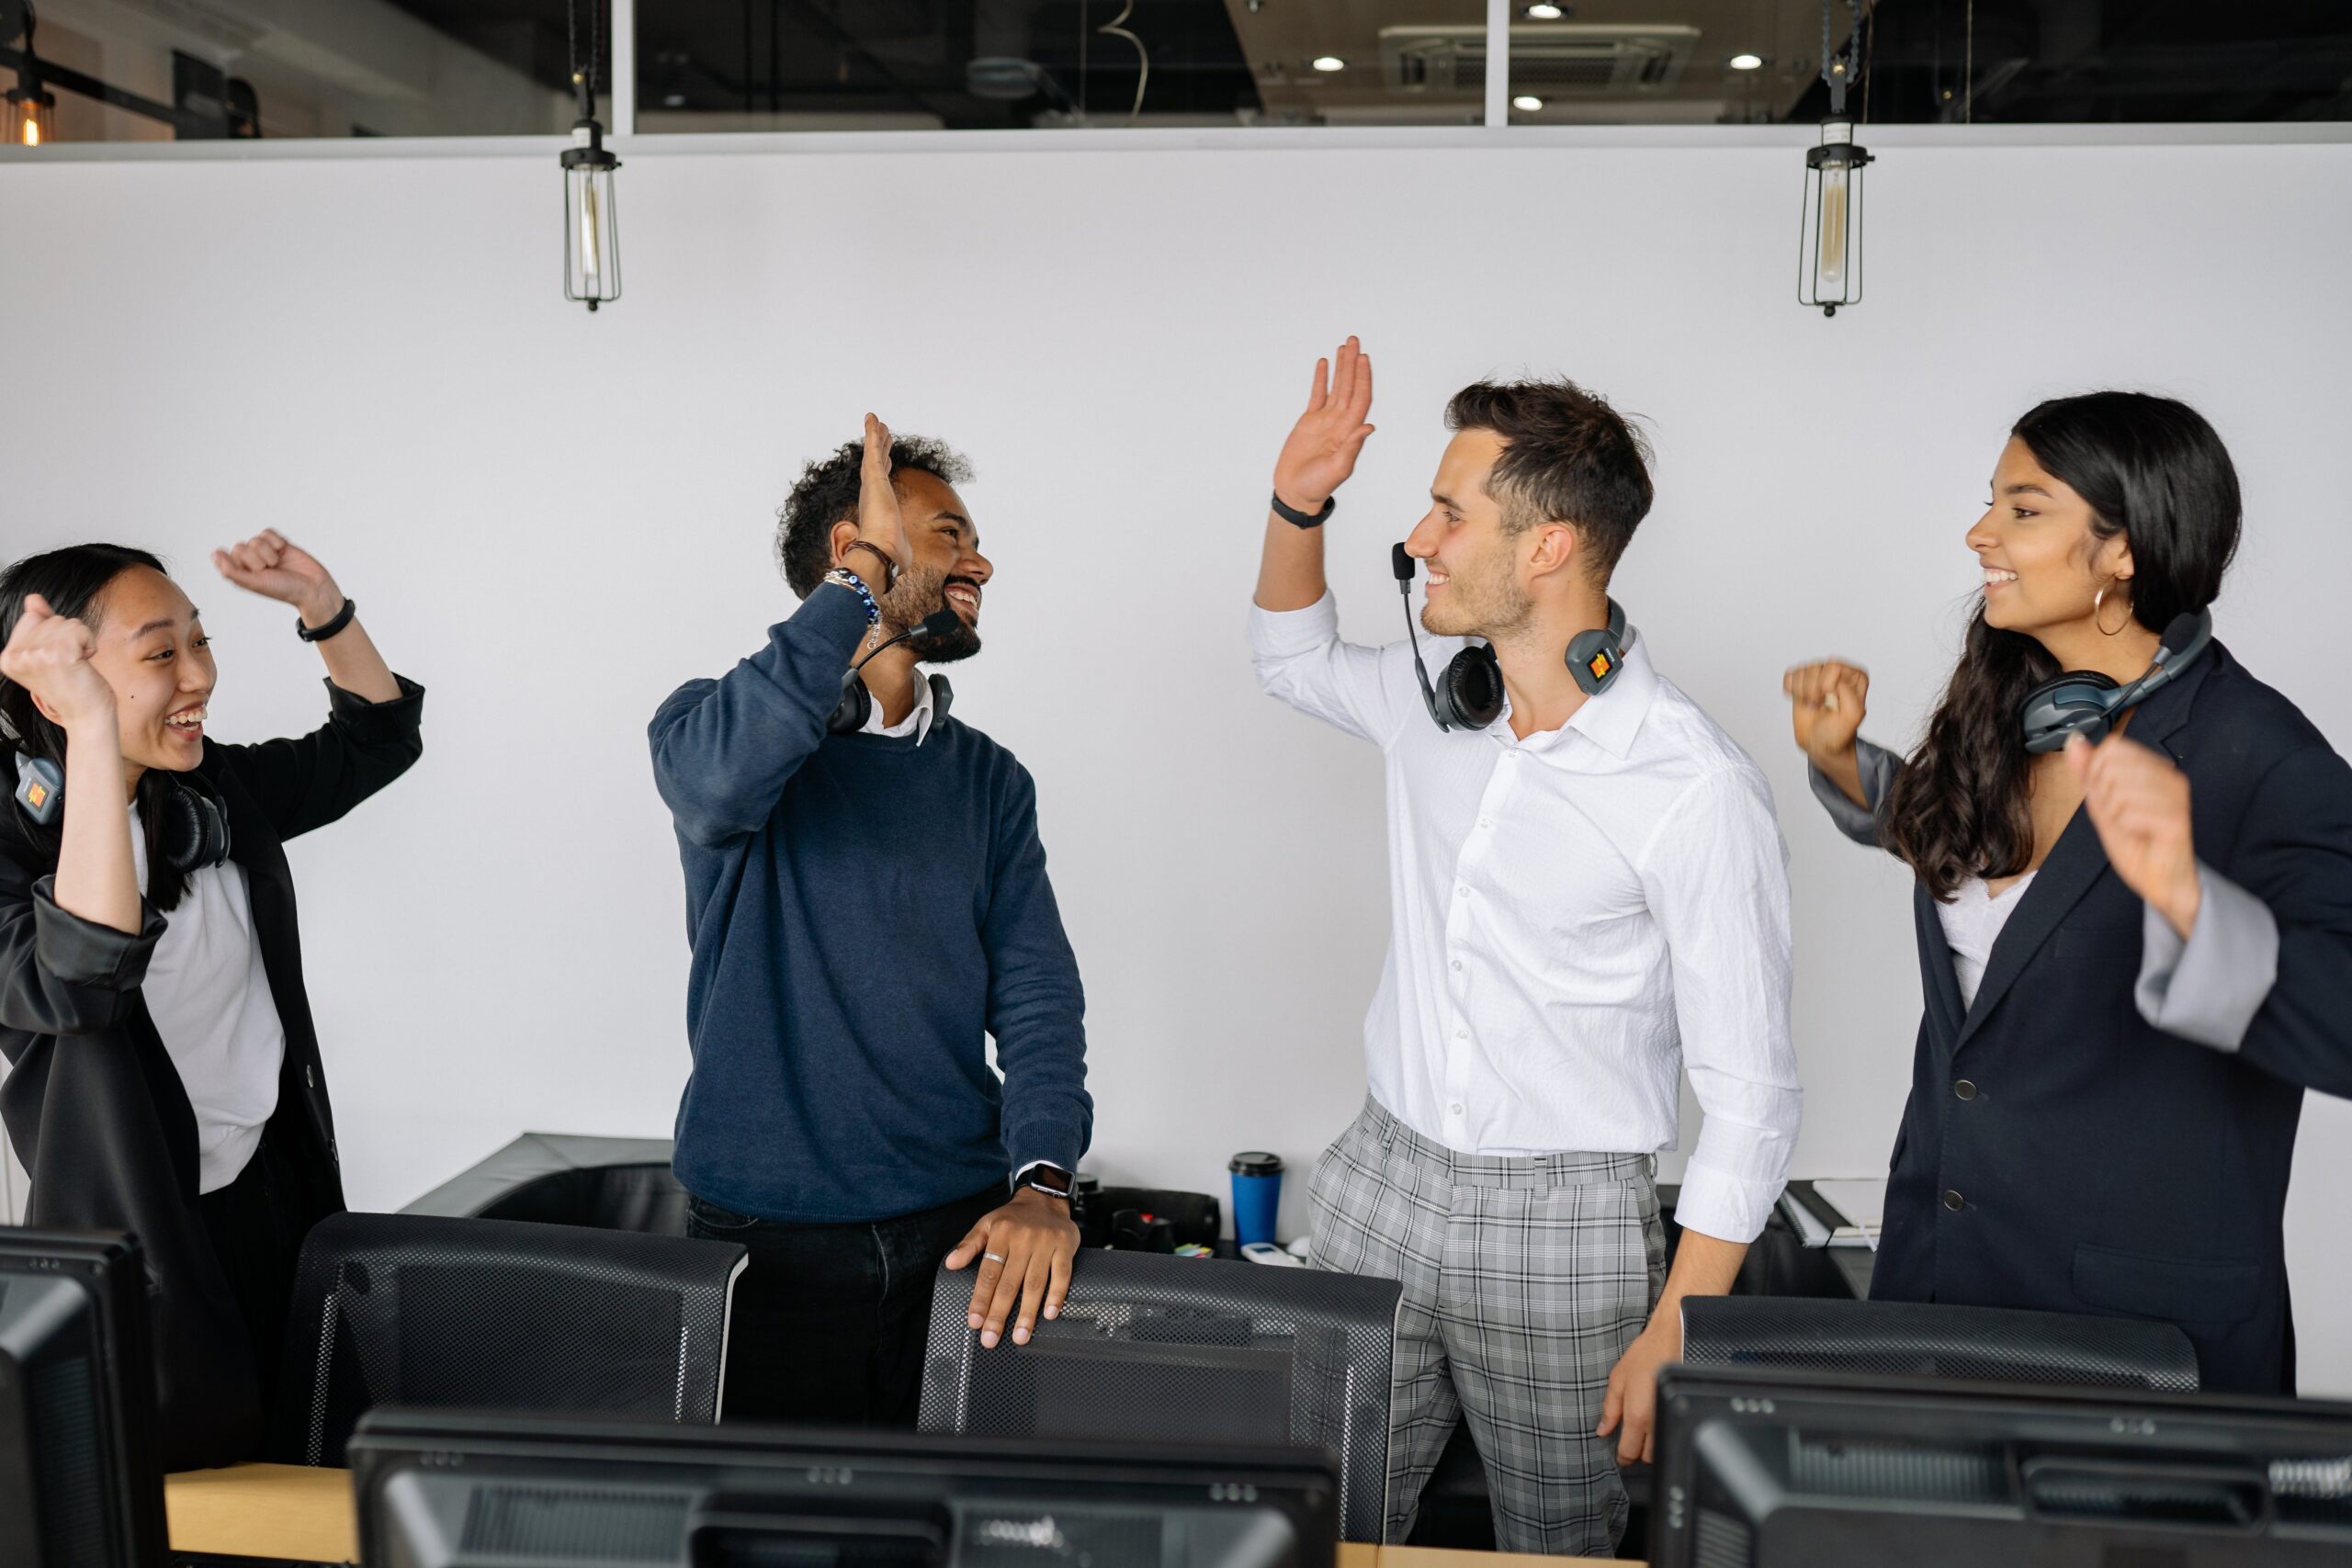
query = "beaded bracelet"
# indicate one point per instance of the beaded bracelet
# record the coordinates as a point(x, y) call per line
point(842, 577)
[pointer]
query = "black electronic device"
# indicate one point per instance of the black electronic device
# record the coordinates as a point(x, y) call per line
point(79, 1483)
point(195, 819)
point(1764, 1468)
point(856, 703)
point(2085, 703)
point(449, 1490)
point(1469, 690)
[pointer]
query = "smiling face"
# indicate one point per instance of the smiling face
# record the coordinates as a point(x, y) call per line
point(1473, 587)
point(151, 650)
point(2045, 564)
point(947, 570)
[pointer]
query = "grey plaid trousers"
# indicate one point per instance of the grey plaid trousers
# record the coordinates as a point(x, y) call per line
point(1525, 1280)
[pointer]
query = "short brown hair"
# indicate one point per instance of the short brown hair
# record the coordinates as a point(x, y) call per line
point(1569, 458)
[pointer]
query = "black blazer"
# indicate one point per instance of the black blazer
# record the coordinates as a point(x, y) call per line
point(2060, 1151)
point(92, 1101)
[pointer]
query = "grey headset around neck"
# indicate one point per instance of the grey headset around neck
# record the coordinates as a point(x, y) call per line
point(1469, 689)
point(2085, 703)
point(195, 819)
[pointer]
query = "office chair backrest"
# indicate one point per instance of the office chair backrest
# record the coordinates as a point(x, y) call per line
point(457, 1313)
point(1930, 1339)
point(1185, 1351)
point(566, 1179)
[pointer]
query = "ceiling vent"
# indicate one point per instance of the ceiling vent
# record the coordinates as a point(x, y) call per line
point(1572, 59)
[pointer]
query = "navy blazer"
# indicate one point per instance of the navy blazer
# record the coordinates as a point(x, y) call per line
point(2060, 1151)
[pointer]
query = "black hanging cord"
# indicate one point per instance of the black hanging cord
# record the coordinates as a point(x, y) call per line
point(583, 76)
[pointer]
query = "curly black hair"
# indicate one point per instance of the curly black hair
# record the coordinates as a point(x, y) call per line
point(827, 494)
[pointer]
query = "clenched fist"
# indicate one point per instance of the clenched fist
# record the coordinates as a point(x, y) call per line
point(1825, 704)
point(48, 655)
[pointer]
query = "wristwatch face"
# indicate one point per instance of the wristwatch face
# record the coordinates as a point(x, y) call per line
point(1048, 1178)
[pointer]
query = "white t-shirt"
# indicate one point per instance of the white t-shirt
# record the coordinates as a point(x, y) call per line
point(1972, 923)
point(210, 997)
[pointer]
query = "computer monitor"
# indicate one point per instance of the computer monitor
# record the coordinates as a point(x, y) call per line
point(465, 1490)
point(79, 1486)
point(1756, 1469)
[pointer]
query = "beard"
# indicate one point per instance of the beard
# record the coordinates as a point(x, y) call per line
point(919, 595)
point(1485, 601)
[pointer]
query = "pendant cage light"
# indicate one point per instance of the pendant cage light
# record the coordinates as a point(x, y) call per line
point(31, 108)
point(1829, 261)
point(592, 225)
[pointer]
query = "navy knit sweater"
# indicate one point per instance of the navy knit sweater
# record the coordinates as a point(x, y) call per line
point(862, 910)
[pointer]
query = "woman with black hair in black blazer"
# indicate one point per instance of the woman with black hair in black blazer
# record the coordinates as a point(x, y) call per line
point(165, 1077)
point(2136, 948)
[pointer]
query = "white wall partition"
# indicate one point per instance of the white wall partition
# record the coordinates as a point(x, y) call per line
point(552, 519)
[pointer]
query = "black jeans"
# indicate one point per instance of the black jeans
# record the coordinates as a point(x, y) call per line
point(829, 1320)
point(255, 1223)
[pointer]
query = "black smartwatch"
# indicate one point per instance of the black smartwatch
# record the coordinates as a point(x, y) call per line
point(1293, 515)
point(1050, 1180)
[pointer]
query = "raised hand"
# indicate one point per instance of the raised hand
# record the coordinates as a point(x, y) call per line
point(1825, 704)
point(881, 527)
point(48, 655)
point(2139, 802)
point(268, 564)
point(1322, 448)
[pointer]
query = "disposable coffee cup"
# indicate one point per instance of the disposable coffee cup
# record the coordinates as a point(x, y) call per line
point(1256, 1195)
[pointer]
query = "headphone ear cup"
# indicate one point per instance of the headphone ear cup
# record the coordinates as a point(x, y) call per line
point(849, 712)
point(2079, 702)
point(1470, 691)
point(195, 828)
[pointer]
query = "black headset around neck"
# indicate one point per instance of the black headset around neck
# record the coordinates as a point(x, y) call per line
point(1469, 689)
point(855, 704)
point(195, 819)
point(2085, 703)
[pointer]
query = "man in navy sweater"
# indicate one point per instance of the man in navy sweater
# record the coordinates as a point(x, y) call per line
point(865, 900)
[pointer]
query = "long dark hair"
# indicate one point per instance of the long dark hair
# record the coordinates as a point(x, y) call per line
point(2152, 470)
point(72, 580)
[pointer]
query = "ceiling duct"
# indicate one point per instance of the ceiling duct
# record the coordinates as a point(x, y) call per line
point(1566, 60)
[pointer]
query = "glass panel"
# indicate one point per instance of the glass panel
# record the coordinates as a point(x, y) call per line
point(1012, 65)
point(164, 71)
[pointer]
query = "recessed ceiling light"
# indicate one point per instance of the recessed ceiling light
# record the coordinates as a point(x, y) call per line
point(1747, 63)
point(1528, 102)
point(1543, 11)
point(1330, 63)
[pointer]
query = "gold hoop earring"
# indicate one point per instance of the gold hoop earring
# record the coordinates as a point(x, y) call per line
point(2096, 601)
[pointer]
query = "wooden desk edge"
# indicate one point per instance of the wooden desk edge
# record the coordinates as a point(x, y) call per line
point(293, 1511)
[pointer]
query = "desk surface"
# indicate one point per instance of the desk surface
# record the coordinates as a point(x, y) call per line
point(291, 1511)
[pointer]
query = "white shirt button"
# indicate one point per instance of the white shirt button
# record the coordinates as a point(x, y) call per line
point(1454, 1108)
point(1461, 893)
point(1462, 1034)
point(1457, 964)
point(1485, 822)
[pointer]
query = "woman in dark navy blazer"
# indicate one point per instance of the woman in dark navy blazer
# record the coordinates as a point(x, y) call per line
point(2137, 954)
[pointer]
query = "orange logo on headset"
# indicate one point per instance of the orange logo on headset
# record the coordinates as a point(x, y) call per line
point(37, 795)
point(1601, 665)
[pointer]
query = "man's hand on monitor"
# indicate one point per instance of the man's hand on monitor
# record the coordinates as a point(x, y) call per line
point(1024, 1251)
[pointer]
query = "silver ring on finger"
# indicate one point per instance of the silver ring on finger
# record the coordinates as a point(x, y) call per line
point(993, 1256)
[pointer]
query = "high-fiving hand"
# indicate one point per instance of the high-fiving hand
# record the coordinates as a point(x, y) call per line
point(1322, 448)
point(268, 564)
point(880, 523)
point(2139, 802)
point(48, 655)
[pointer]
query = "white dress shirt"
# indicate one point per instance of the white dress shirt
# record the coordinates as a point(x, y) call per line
point(208, 996)
point(917, 720)
point(1573, 918)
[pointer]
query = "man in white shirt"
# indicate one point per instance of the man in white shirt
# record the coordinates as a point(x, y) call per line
point(1587, 891)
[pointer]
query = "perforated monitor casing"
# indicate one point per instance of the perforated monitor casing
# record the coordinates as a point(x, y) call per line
point(1185, 1351)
